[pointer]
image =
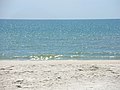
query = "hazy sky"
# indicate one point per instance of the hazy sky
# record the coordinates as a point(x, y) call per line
point(60, 9)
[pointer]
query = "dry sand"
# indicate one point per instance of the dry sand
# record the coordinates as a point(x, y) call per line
point(60, 75)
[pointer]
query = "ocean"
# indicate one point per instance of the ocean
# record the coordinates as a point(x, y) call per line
point(60, 39)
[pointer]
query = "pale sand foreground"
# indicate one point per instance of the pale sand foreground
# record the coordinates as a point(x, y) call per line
point(59, 75)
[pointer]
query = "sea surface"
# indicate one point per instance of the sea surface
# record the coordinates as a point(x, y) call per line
point(60, 39)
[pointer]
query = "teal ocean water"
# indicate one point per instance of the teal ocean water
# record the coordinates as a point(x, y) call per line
point(60, 39)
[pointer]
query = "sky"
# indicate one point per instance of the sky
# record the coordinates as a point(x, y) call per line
point(59, 9)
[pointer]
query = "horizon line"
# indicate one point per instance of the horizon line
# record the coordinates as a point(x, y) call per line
point(59, 18)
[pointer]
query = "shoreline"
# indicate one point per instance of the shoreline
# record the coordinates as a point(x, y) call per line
point(60, 75)
point(62, 61)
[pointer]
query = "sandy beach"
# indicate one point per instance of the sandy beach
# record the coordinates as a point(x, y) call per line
point(60, 75)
